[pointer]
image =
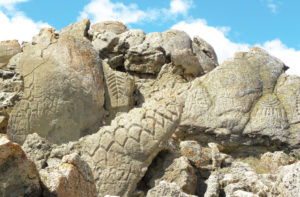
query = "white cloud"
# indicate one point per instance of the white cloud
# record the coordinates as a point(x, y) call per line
point(19, 27)
point(289, 56)
point(215, 36)
point(180, 6)
point(273, 5)
point(101, 10)
point(225, 48)
point(9, 4)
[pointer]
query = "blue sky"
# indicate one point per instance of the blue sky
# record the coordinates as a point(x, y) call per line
point(230, 26)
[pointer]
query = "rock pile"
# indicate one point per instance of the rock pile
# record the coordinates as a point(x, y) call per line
point(104, 110)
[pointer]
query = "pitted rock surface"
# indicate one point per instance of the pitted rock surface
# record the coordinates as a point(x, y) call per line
point(64, 91)
point(8, 49)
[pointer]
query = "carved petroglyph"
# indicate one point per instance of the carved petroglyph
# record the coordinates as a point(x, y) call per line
point(121, 153)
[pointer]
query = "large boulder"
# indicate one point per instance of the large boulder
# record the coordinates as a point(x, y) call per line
point(18, 175)
point(7, 50)
point(108, 26)
point(77, 30)
point(120, 154)
point(64, 91)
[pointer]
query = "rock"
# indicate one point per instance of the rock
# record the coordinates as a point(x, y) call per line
point(175, 40)
point(205, 54)
point(213, 186)
point(8, 49)
point(37, 149)
point(240, 193)
point(130, 39)
point(104, 43)
point(273, 161)
point(3, 124)
point(144, 59)
point(167, 190)
point(64, 91)
point(77, 30)
point(268, 118)
point(173, 170)
point(120, 154)
point(240, 176)
point(287, 181)
point(188, 61)
point(119, 90)
point(108, 26)
point(214, 103)
point(18, 175)
point(193, 151)
point(72, 177)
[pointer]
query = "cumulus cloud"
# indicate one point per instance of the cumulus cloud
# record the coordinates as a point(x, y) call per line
point(273, 5)
point(101, 10)
point(9, 4)
point(18, 27)
point(226, 48)
point(216, 36)
point(180, 6)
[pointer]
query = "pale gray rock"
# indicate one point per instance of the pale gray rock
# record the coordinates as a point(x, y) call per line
point(130, 39)
point(77, 30)
point(214, 103)
point(108, 26)
point(63, 90)
point(240, 193)
point(145, 59)
point(287, 182)
point(120, 154)
point(166, 167)
point(166, 189)
point(104, 42)
point(205, 54)
point(188, 62)
point(272, 161)
point(8, 49)
point(213, 185)
point(18, 175)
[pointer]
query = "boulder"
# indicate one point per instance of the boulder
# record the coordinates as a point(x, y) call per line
point(272, 161)
point(166, 167)
point(108, 26)
point(205, 53)
point(77, 30)
point(63, 89)
point(167, 190)
point(214, 103)
point(287, 181)
point(18, 175)
point(72, 177)
point(120, 154)
point(8, 49)
point(213, 185)
point(145, 59)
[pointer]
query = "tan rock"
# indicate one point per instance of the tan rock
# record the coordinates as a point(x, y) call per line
point(273, 161)
point(64, 91)
point(3, 124)
point(77, 30)
point(120, 154)
point(18, 175)
point(72, 177)
point(173, 170)
point(167, 190)
point(7, 50)
point(108, 26)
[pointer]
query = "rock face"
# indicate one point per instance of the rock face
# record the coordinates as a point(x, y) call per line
point(7, 50)
point(64, 92)
point(109, 111)
point(18, 175)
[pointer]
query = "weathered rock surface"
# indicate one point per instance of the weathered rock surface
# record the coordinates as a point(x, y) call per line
point(272, 161)
point(7, 50)
point(64, 91)
point(71, 177)
point(120, 154)
point(166, 167)
point(77, 30)
point(18, 175)
point(167, 190)
point(108, 26)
